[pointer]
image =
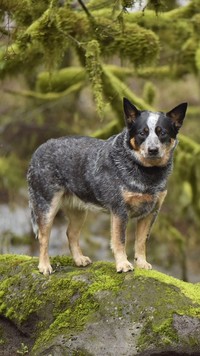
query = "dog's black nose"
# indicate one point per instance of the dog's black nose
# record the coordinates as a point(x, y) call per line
point(153, 151)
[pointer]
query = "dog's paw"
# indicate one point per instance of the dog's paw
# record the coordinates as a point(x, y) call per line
point(83, 261)
point(46, 269)
point(142, 263)
point(124, 266)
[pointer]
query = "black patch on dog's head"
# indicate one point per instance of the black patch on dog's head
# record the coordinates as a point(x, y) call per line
point(165, 129)
point(131, 113)
point(135, 121)
point(177, 115)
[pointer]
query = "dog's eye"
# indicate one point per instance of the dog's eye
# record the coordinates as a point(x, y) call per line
point(143, 133)
point(163, 133)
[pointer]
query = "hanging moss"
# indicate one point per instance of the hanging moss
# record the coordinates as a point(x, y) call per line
point(94, 70)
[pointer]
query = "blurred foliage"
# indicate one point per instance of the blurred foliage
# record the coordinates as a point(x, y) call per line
point(65, 63)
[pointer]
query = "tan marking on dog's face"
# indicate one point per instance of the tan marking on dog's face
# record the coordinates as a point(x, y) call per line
point(133, 144)
point(136, 199)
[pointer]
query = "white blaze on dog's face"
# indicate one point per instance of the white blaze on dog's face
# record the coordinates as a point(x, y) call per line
point(151, 146)
point(152, 136)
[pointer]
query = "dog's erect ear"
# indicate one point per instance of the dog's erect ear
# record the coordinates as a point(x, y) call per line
point(177, 115)
point(131, 112)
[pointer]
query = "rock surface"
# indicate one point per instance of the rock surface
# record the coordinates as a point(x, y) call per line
point(94, 311)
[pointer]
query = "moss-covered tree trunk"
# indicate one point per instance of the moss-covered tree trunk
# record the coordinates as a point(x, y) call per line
point(95, 311)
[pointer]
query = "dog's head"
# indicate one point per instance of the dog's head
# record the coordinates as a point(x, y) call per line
point(152, 135)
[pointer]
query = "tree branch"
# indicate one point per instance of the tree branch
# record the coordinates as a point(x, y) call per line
point(85, 9)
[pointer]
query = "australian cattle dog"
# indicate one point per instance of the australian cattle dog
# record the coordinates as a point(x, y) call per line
point(125, 174)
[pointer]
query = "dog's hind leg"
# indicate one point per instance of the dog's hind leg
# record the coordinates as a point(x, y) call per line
point(45, 221)
point(118, 232)
point(76, 219)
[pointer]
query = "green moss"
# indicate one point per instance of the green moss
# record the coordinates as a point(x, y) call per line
point(139, 45)
point(115, 90)
point(65, 302)
point(158, 336)
point(76, 315)
point(190, 290)
point(94, 69)
point(40, 291)
point(159, 327)
point(59, 80)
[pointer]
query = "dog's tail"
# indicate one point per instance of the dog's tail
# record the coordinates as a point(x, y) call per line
point(34, 220)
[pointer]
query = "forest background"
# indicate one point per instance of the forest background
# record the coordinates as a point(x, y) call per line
point(64, 68)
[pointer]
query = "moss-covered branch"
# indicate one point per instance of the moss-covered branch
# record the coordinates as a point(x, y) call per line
point(47, 36)
point(115, 90)
point(60, 80)
point(50, 95)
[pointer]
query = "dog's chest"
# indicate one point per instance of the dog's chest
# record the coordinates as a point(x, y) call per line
point(139, 204)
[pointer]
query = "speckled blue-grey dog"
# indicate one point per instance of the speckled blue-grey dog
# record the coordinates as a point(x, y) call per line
point(126, 175)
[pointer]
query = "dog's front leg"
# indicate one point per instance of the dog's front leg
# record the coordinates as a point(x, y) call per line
point(143, 230)
point(118, 240)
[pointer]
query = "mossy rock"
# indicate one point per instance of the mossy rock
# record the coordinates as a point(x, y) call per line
point(95, 311)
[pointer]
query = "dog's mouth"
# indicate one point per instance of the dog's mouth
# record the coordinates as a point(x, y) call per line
point(153, 157)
